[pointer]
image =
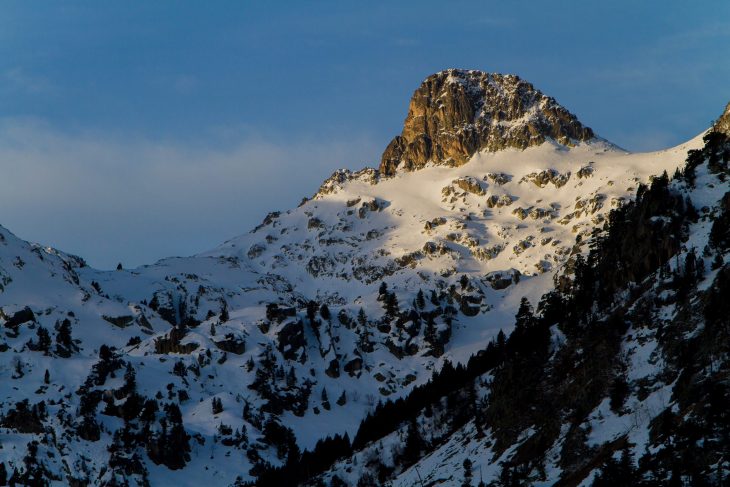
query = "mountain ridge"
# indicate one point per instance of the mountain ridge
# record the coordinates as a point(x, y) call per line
point(296, 330)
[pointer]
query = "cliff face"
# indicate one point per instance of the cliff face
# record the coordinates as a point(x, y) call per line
point(723, 123)
point(455, 113)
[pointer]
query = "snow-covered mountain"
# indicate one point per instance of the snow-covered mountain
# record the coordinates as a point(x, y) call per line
point(620, 379)
point(215, 367)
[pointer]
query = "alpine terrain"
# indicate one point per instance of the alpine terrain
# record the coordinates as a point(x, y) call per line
point(508, 299)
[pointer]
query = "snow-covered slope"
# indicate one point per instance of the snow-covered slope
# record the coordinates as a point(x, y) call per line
point(622, 380)
point(290, 325)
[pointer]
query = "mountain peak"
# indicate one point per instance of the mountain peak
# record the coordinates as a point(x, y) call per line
point(456, 112)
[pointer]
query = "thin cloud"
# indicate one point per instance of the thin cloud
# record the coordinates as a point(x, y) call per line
point(185, 84)
point(19, 79)
point(110, 199)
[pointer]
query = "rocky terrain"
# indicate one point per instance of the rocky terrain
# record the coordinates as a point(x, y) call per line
point(222, 366)
point(457, 113)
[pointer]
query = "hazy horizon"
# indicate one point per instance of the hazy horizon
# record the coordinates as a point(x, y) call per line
point(133, 132)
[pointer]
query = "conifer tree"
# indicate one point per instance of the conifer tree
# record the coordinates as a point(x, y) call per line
point(43, 340)
point(324, 312)
point(467, 473)
point(65, 345)
point(420, 300)
point(224, 316)
point(414, 443)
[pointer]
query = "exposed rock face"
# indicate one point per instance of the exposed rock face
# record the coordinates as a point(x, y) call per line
point(455, 113)
point(723, 123)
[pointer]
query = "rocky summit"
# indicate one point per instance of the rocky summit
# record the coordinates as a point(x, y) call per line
point(456, 113)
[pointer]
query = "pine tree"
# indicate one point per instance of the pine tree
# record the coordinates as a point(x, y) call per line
point(414, 443)
point(382, 290)
point(130, 380)
point(617, 472)
point(43, 343)
point(170, 446)
point(324, 312)
point(467, 473)
point(464, 281)
point(312, 307)
point(429, 333)
point(364, 343)
point(217, 405)
point(420, 300)
point(325, 400)
point(525, 318)
point(391, 304)
point(501, 340)
point(65, 345)
point(362, 319)
point(224, 316)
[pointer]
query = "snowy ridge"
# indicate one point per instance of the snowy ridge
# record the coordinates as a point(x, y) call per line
point(627, 436)
point(268, 329)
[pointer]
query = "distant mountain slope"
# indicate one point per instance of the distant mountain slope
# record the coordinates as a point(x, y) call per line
point(212, 368)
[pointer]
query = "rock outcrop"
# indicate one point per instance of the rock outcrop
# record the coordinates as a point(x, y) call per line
point(723, 123)
point(455, 113)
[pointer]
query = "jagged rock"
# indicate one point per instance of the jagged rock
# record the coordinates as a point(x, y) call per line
point(371, 205)
point(268, 220)
point(469, 305)
point(455, 113)
point(333, 369)
point(502, 279)
point(543, 178)
point(120, 321)
point(585, 171)
point(290, 339)
point(170, 343)
point(498, 202)
point(353, 367)
point(723, 123)
point(521, 213)
point(540, 213)
point(432, 248)
point(410, 259)
point(498, 178)
point(434, 223)
point(232, 344)
point(279, 314)
point(256, 250)
point(488, 253)
point(469, 184)
point(23, 316)
point(334, 183)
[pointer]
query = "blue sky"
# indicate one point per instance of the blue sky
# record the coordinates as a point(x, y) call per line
point(130, 131)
